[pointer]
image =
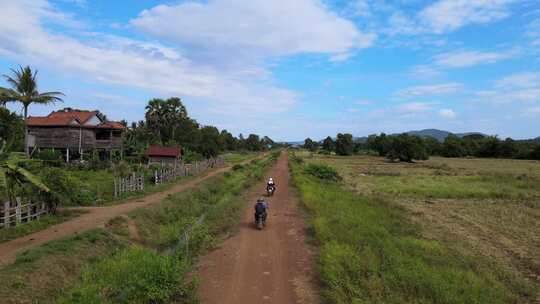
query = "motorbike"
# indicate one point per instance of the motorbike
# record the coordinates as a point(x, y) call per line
point(270, 190)
point(261, 221)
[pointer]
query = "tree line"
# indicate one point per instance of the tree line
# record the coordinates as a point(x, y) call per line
point(167, 123)
point(406, 147)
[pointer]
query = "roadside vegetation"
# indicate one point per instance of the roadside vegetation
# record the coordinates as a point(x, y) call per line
point(136, 258)
point(379, 243)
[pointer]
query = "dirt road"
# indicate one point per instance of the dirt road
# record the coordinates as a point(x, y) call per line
point(269, 266)
point(96, 217)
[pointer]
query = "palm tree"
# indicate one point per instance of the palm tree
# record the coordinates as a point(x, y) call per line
point(23, 84)
point(13, 174)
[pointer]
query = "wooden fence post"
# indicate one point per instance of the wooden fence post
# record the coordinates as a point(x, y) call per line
point(18, 210)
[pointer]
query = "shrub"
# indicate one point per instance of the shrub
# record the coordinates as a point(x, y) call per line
point(65, 189)
point(238, 167)
point(134, 275)
point(323, 172)
point(50, 157)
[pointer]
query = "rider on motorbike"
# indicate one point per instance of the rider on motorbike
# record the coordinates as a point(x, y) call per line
point(270, 183)
point(261, 208)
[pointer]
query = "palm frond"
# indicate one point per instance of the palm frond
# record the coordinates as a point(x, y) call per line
point(34, 180)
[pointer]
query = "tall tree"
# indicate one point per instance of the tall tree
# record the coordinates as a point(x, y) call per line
point(24, 89)
point(310, 145)
point(344, 144)
point(328, 144)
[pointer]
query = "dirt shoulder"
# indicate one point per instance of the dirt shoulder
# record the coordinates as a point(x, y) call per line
point(274, 265)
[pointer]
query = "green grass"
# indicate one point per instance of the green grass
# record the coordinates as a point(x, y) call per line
point(155, 274)
point(7, 234)
point(371, 253)
point(39, 275)
point(109, 266)
point(440, 177)
point(236, 158)
point(476, 186)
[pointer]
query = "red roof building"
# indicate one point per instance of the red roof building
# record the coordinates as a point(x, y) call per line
point(74, 131)
point(164, 155)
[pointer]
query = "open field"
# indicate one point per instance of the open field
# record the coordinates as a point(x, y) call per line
point(439, 226)
point(132, 259)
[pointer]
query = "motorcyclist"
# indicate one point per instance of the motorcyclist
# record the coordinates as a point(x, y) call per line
point(261, 208)
point(270, 183)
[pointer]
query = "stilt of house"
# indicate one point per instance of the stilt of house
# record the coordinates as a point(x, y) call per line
point(67, 155)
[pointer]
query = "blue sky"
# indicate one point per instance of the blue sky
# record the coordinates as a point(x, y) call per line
point(289, 69)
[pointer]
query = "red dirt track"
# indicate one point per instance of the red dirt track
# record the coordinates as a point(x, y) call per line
point(269, 266)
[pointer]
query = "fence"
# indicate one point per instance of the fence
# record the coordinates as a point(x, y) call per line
point(135, 182)
point(166, 174)
point(184, 237)
point(20, 213)
point(130, 183)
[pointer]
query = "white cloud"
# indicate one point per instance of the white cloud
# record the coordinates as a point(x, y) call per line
point(533, 111)
point(413, 108)
point(363, 102)
point(449, 15)
point(424, 71)
point(265, 28)
point(131, 63)
point(447, 113)
point(464, 58)
point(520, 87)
point(430, 90)
point(520, 80)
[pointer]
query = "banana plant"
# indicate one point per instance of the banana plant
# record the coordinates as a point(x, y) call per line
point(12, 174)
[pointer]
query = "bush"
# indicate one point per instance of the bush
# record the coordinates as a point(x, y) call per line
point(323, 172)
point(191, 157)
point(237, 167)
point(65, 190)
point(134, 275)
point(50, 157)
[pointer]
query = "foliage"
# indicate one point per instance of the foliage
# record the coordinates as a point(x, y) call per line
point(24, 90)
point(167, 123)
point(407, 148)
point(11, 129)
point(50, 157)
point(323, 172)
point(17, 180)
point(344, 144)
point(328, 144)
point(394, 146)
point(133, 275)
point(310, 145)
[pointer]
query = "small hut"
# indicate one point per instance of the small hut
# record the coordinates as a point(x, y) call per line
point(165, 156)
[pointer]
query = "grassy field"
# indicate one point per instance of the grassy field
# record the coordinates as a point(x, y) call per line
point(440, 231)
point(136, 258)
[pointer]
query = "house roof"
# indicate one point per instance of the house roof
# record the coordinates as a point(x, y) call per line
point(70, 118)
point(164, 151)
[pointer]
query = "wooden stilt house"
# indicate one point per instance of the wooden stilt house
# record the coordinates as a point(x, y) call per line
point(74, 132)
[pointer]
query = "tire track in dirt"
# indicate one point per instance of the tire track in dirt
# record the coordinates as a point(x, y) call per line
point(274, 265)
point(96, 217)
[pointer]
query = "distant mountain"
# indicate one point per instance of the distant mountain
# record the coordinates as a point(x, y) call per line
point(440, 135)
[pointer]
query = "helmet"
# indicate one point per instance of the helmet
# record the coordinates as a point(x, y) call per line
point(260, 199)
point(271, 179)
